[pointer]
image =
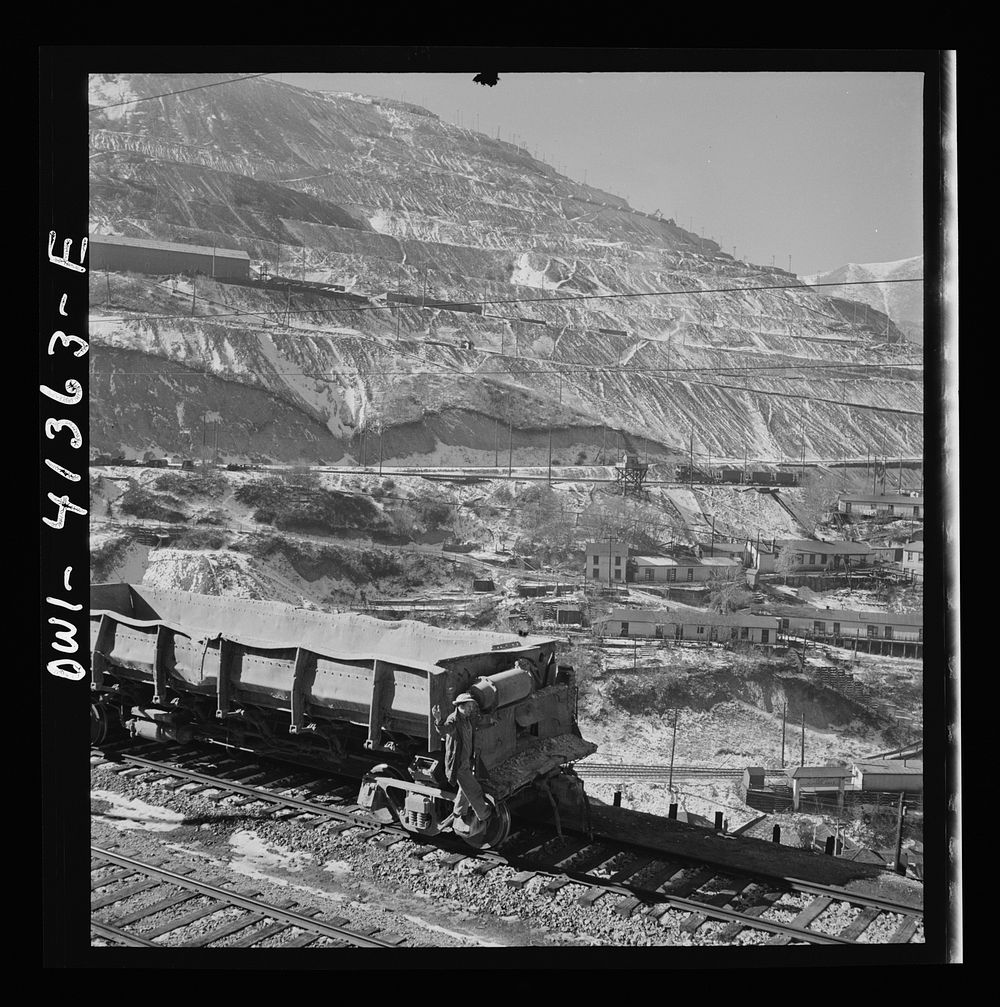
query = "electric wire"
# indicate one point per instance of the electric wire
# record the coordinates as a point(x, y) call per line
point(167, 94)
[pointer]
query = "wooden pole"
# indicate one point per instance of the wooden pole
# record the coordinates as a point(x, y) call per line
point(496, 443)
point(784, 714)
point(802, 757)
point(550, 454)
point(673, 746)
point(510, 445)
point(899, 835)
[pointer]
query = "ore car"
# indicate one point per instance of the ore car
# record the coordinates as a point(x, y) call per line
point(342, 692)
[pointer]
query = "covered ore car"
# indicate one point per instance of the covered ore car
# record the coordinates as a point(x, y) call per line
point(346, 693)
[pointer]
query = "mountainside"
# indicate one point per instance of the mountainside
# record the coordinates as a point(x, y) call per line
point(902, 302)
point(385, 200)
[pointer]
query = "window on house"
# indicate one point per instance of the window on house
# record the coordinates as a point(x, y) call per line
point(624, 629)
point(888, 632)
point(812, 559)
point(658, 632)
point(744, 633)
point(618, 575)
point(872, 630)
point(819, 627)
point(671, 574)
point(836, 629)
point(618, 561)
point(765, 636)
point(690, 575)
point(920, 635)
point(648, 572)
point(597, 560)
point(597, 573)
point(784, 624)
point(701, 630)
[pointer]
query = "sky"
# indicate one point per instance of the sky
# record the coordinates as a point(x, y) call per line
point(823, 167)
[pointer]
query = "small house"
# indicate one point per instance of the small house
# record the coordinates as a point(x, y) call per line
point(912, 560)
point(684, 570)
point(606, 562)
point(896, 776)
point(884, 505)
point(814, 555)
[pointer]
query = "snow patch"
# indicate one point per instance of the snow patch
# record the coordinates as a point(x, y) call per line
point(255, 857)
point(131, 813)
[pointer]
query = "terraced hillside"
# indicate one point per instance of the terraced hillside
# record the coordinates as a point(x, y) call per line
point(385, 200)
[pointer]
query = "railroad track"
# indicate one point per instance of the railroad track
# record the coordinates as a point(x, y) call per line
point(189, 904)
point(647, 881)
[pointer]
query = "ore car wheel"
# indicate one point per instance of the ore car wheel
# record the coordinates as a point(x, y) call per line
point(496, 830)
point(100, 723)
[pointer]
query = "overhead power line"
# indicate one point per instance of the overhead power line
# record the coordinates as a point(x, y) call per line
point(166, 94)
point(438, 303)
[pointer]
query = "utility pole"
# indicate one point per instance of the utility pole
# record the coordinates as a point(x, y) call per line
point(802, 757)
point(194, 291)
point(510, 445)
point(381, 434)
point(496, 442)
point(784, 714)
point(691, 461)
point(900, 812)
point(609, 560)
point(550, 454)
point(216, 442)
point(711, 550)
point(673, 746)
point(107, 277)
point(213, 260)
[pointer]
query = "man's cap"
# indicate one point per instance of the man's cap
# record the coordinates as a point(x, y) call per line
point(465, 697)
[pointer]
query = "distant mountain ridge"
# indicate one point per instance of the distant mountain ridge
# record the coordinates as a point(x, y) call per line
point(902, 302)
point(581, 334)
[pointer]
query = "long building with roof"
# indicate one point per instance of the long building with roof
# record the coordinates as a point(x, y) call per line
point(119, 253)
point(691, 624)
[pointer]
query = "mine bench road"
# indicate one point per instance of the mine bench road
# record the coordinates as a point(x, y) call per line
point(178, 887)
point(648, 880)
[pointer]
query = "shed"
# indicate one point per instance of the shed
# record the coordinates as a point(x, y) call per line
point(142, 255)
point(483, 585)
point(889, 777)
point(569, 616)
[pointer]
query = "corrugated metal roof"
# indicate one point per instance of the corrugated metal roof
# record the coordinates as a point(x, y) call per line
point(674, 616)
point(838, 548)
point(684, 561)
point(849, 615)
point(821, 772)
point(887, 499)
point(889, 768)
point(167, 246)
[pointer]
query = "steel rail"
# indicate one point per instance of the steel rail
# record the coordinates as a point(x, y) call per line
point(234, 899)
point(220, 783)
point(114, 934)
point(615, 846)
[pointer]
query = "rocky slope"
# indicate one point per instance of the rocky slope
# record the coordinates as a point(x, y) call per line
point(383, 198)
point(902, 302)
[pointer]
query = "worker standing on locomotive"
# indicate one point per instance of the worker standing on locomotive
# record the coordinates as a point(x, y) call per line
point(459, 732)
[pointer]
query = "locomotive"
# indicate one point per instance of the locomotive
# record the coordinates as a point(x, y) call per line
point(344, 693)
